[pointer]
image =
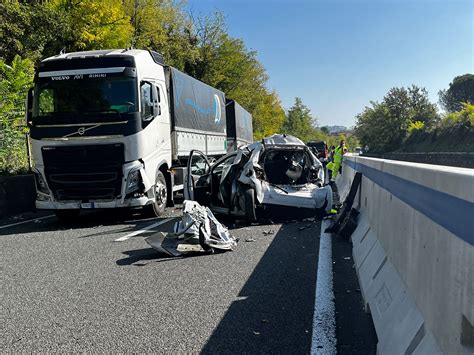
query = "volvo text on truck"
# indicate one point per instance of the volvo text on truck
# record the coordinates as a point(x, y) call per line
point(113, 129)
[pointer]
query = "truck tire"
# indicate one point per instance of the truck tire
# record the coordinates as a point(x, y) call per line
point(160, 194)
point(249, 198)
point(67, 216)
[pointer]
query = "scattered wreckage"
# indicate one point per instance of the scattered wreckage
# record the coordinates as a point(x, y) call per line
point(197, 231)
point(279, 170)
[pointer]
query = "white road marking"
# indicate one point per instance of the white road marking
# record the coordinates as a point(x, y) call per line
point(29, 220)
point(133, 234)
point(324, 321)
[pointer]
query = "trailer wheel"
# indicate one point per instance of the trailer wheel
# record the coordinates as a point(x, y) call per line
point(67, 216)
point(160, 194)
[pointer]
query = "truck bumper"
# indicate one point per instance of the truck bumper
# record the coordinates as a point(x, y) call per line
point(63, 205)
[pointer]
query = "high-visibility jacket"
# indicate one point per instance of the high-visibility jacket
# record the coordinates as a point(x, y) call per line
point(338, 155)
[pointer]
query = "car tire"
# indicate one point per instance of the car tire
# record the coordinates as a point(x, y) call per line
point(67, 216)
point(249, 198)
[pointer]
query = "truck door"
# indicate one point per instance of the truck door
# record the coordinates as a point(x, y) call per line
point(197, 181)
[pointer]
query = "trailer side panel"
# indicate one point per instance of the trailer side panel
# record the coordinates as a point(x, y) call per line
point(198, 115)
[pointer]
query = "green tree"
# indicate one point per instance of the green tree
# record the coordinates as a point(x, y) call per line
point(464, 117)
point(94, 24)
point(268, 115)
point(299, 122)
point(163, 26)
point(36, 31)
point(461, 90)
point(383, 126)
point(15, 80)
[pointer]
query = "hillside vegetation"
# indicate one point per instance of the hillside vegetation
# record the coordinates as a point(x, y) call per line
point(405, 120)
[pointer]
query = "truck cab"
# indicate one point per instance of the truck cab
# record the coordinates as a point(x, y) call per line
point(99, 126)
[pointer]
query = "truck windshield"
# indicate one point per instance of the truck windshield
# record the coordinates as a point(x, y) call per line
point(68, 97)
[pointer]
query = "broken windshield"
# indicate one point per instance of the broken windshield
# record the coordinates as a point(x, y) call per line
point(70, 98)
point(288, 166)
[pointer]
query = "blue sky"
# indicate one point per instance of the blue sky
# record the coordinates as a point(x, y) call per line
point(337, 55)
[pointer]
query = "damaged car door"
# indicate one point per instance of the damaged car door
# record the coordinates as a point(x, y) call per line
point(217, 185)
point(228, 195)
point(197, 181)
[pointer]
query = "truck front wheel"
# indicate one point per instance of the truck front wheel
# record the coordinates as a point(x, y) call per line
point(160, 194)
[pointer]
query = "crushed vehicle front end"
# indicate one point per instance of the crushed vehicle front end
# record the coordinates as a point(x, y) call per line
point(281, 171)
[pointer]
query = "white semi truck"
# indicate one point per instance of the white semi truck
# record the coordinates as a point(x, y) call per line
point(113, 129)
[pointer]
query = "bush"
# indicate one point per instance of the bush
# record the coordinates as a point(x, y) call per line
point(463, 118)
point(15, 80)
point(416, 127)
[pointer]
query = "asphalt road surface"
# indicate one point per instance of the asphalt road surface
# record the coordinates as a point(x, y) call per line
point(75, 288)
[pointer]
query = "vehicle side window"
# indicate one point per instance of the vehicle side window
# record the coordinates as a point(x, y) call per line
point(146, 94)
point(199, 165)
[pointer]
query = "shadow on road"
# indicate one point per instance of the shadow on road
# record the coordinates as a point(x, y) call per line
point(138, 257)
point(274, 310)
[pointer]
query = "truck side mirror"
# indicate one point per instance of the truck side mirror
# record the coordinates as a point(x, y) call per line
point(148, 112)
point(156, 101)
point(156, 109)
point(29, 105)
point(150, 104)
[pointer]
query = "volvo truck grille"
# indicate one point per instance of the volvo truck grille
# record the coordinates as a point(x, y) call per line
point(84, 173)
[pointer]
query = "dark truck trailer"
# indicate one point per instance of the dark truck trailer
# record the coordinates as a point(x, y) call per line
point(239, 126)
point(198, 115)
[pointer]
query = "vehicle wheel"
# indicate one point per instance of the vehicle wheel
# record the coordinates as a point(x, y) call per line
point(249, 198)
point(160, 193)
point(67, 215)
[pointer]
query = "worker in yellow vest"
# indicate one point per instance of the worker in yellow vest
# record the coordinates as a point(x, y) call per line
point(337, 159)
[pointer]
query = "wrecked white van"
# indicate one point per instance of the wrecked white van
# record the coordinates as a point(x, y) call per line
point(279, 170)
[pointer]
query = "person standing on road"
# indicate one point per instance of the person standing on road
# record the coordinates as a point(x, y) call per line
point(330, 163)
point(337, 159)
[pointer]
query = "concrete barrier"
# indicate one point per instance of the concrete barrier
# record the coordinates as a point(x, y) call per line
point(414, 253)
point(458, 159)
point(17, 194)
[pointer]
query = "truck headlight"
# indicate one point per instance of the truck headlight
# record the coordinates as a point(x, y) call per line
point(133, 181)
point(41, 183)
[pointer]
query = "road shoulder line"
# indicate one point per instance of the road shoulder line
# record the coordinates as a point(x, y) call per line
point(324, 321)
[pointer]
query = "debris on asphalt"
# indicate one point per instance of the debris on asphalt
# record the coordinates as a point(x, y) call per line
point(197, 231)
point(304, 227)
point(256, 333)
